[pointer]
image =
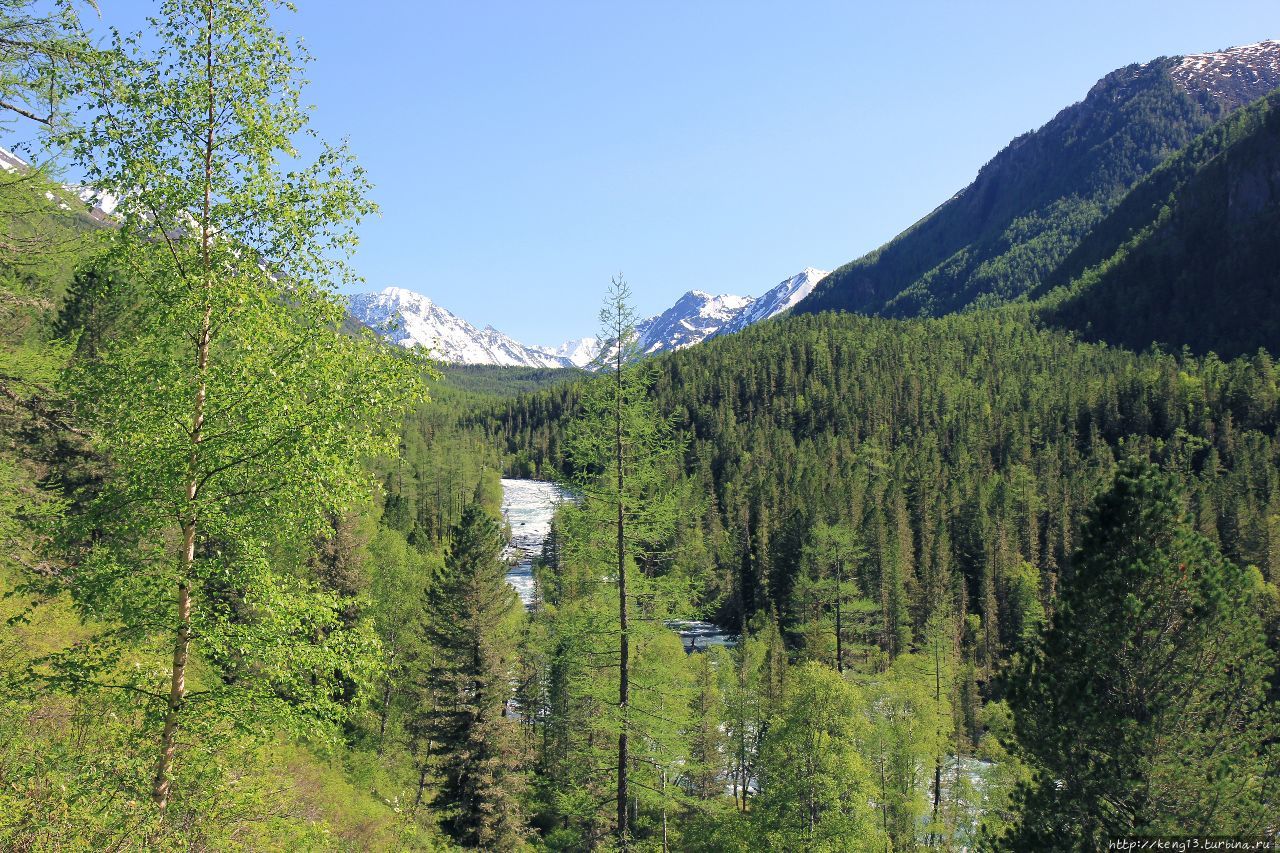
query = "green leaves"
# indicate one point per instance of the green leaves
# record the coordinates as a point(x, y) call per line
point(236, 413)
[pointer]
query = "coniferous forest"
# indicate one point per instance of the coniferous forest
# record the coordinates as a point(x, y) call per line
point(988, 526)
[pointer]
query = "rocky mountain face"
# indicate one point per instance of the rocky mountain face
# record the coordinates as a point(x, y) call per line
point(697, 316)
point(409, 318)
point(1230, 78)
point(1033, 203)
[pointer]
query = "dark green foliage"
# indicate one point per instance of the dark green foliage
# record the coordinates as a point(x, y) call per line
point(437, 471)
point(958, 448)
point(505, 381)
point(1145, 708)
point(471, 620)
point(1028, 207)
point(1191, 257)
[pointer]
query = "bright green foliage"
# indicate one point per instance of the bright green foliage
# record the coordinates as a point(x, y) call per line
point(827, 591)
point(815, 785)
point(907, 739)
point(1145, 709)
point(753, 695)
point(624, 459)
point(577, 714)
point(235, 415)
point(472, 622)
point(401, 576)
point(707, 732)
point(42, 54)
point(1026, 612)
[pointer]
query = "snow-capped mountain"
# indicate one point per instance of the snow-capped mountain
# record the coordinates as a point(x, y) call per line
point(697, 316)
point(1231, 77)
point(409, 318)
point(782, 297)
point(580, 352)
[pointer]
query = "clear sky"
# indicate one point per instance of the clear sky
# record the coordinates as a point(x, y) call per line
point(523, 152)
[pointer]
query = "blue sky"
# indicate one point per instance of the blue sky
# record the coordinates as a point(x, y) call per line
point(524, 152)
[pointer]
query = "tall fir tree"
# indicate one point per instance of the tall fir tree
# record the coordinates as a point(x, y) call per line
point(473, 622)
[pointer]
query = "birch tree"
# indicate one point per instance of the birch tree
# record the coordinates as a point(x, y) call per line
point(235, 413)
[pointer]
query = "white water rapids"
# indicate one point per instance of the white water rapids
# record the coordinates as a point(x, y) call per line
point(528, 507)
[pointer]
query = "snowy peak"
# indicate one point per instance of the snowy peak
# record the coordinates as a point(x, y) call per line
point(11, 162)
point(580, 352)
point(698, 315)
point(1232, 77)
point(782, 297)
point(411, 319)
point(695, 317)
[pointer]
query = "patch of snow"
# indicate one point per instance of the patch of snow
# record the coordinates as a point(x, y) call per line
point(1232, 77)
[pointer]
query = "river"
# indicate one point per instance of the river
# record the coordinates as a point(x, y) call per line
point(528, 507)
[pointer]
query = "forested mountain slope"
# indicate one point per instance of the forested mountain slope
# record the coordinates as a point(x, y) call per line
point(965, 448)
point(1191, 257)
point(1032, 204)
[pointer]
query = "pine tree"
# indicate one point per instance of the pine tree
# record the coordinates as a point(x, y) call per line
point(1144, 710)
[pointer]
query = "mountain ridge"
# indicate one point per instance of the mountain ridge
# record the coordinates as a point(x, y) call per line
point(408, 318)
point(1032, 203)
point(1191, 257)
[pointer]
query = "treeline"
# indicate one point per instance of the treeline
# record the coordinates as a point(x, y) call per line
point(965, 451)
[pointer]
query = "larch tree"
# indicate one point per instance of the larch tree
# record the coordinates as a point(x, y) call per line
point(624, 457)
point(43, 51)
point(234, 410)
point(833, 555)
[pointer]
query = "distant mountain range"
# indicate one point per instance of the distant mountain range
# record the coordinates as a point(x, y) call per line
point(409, 318)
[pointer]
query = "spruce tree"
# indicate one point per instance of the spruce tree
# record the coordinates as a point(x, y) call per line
point(472, 618)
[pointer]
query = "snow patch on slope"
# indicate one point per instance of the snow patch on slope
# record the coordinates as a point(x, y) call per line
point(1232, 77)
